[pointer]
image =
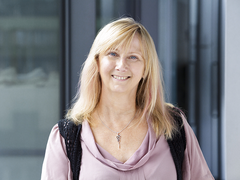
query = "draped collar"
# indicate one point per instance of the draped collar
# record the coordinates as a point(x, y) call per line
point(138, 159)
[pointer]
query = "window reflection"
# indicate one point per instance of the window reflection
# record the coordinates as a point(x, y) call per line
point(29, 83)
point(108, 10)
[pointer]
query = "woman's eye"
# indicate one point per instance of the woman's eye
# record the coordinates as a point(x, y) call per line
point(113, 54)
point(133, 57)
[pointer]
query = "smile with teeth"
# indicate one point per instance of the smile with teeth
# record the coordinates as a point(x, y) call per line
point(120, 77)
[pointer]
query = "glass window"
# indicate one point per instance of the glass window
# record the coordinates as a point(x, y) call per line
point(189, 54)
point(29, 84)
point(108, 10)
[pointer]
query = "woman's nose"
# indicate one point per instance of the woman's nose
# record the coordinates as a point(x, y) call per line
point(121, 64)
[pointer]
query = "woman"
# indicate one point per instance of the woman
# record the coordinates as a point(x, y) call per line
point(127, 131)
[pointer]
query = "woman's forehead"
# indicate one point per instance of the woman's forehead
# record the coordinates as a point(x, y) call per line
point(131, 44)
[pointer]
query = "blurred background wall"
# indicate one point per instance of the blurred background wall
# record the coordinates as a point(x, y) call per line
point(43, 44)
point(232, 88)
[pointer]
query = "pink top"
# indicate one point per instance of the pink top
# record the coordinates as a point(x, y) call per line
point(153, 159)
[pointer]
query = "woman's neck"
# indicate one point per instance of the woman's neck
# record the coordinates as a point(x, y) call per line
point(116, 108)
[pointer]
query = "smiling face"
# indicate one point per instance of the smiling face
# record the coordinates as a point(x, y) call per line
point(121, 69)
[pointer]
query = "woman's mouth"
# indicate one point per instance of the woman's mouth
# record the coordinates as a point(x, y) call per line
point(120, 77)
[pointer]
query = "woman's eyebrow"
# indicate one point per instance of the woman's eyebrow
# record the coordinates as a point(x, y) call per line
point(113, 49)
point(139, 53)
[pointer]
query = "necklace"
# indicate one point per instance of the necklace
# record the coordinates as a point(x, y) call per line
point(118, 136)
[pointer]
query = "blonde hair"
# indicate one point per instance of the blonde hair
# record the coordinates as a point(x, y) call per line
point(150, 101)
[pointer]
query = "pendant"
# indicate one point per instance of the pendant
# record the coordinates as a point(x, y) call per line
point(118, 139)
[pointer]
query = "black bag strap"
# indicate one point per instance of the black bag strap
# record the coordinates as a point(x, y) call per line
point(178, 143)
point(71, 133)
